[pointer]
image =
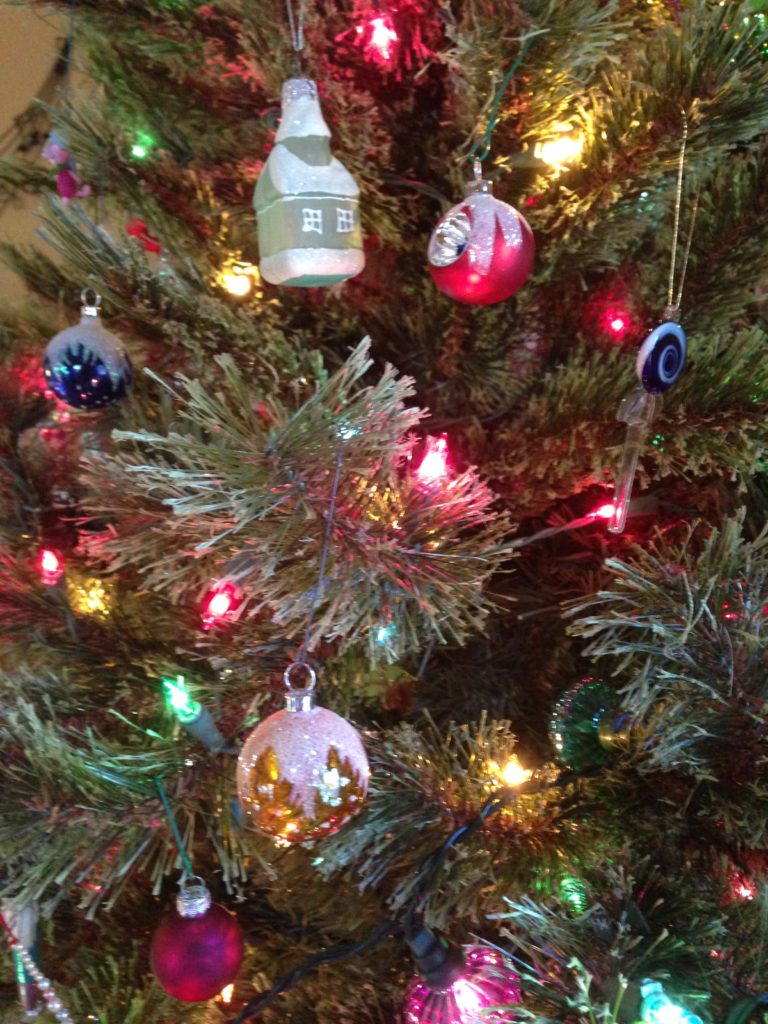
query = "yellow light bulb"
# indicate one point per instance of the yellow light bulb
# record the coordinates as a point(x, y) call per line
point(237, 278)
point(236, 284)
point(512, 773)
point(226, 993)
point(88, 595)
point(94, 600)
point(563, 149)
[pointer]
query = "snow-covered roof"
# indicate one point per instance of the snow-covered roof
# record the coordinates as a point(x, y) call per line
point(290, 175)
point(302, 115)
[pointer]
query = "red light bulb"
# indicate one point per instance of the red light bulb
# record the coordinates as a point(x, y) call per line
point(727, 613)
point(487, 980)
point(434, 466)
point(383, 36)
point(742, 887)
point(219, 605)
point(51, 567)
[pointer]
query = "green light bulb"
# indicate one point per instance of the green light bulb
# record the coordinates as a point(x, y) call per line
point(21, 972)
point(141, 147)
point(179, 701)
point(574, 893)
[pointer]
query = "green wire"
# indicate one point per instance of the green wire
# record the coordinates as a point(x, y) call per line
point(486, 139)
point(186, 862)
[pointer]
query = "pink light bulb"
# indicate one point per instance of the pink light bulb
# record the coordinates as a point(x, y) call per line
point(604, 511)
point(51, 568)
point(615, 322)
point(488, 980)
point(383, 37)
point(434, 466)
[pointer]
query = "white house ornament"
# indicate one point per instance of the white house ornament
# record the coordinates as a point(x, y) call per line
point(306, 201)
point(482, 250)
point(302, 773)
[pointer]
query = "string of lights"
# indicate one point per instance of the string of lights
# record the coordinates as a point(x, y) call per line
point(422, 942)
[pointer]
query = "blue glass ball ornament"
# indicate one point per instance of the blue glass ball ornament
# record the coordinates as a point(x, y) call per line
point(85, 365)
point(661, 359)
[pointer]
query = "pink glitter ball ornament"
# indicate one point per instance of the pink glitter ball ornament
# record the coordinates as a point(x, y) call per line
point(303, 772)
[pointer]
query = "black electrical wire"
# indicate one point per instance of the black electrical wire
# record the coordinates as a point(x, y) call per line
point(341, 951)
point(426, 874)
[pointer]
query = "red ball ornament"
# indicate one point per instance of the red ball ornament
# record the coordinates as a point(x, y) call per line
point(482, 250)
point(198, 948)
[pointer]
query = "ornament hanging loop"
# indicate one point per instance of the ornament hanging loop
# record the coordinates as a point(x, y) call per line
point(672, 312)
point(296, 28)
point(91, 301)
point(674, 301)
point(191, 882)
point(310, 672)
point(478, 183)
point(300, 699)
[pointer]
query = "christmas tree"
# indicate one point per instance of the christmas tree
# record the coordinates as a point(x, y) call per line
point(503, 517)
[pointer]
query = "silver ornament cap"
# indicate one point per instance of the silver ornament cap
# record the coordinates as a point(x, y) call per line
point(478, 183)
point(193, 900)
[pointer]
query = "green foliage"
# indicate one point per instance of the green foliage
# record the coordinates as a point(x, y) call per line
point(684, 621)
point(682, 626)
point(247, 480)
point(222, 463)
point(113, 990)
point(424, 784)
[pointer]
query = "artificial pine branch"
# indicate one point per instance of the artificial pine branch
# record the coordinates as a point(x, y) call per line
point(247, 480)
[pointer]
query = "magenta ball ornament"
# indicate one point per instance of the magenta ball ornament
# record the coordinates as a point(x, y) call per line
point(196, 952)
point(486, 980)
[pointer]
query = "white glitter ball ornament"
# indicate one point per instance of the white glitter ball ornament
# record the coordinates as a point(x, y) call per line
point(85, 365)
point(303, 772)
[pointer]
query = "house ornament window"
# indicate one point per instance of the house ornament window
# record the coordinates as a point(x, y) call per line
point(345, 220)
point(312, 220)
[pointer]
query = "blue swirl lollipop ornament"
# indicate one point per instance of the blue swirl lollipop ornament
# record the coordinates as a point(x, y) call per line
point(660, 364)
point(637, 410)
point(661, 359)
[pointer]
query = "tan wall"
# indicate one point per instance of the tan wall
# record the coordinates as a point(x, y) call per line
point(29, 42)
